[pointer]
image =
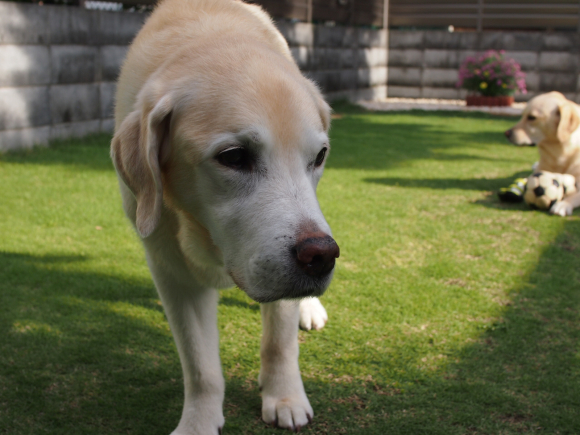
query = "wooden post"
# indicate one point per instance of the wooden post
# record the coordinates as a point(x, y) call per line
point(386, 14)
point(479, 15)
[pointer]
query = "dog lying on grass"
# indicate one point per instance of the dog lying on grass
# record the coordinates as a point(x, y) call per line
point(552, 122)
point(219, 145)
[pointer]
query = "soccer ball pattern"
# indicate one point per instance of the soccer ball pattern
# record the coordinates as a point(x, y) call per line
point(543, 190)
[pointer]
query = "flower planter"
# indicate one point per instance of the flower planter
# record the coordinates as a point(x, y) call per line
point(482, 100)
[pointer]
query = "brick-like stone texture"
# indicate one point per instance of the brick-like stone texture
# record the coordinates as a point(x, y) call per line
point(75, 129)
point(561, 41)
point(74, 64)
point(528, 60)
point(22, 23)
point(404, 91)
point(302, 56)
point(69, 25)
point(527, 41)
point(24, 107)
point(409, 57)
point(441, 58)
point(107, 96)
point(444, 93)
point(116, 28)
point(450, 41)
point(24, 65)
point(73, 103)
point(561, 82)
point(112, 58)
point(406, 39)
point(370, 77)
point(404, 76)
point(297, 33)
point(372, 38)
point(441, 78)
point(558, 61)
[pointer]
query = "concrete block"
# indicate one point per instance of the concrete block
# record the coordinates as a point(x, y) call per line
point(528, 60)
point(404, 91)
point(348, 79)
point(72, 103)
point(326, 58)
point(368, 77)
point(116, 28)
point(532, 81)
point(348, 58)
point(24, 138)
point(107, 125)
point(325, 36)
point(372, 93)
point(372, 38)
point(560, 41)
point(75, 129)
point(302, 56)
point(409, 57)
point(350, 37)
point(112, 58)
point(22, 23)
point(74, 64)
point(526, 41)
point(107, 99)
point(440, 39)
point(70, 25)
point(406, 39)
point(332, 81)
point(404, 76)
point(297, 33)
point(24, 107)
point(441, 58)
point(558, 61)
point(373, 57)
point(445, 93)
point(557, 82)
point(444, 78)
point(24, 65)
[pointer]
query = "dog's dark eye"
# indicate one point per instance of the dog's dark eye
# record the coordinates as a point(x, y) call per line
point(531, 118)
point(235, 158)
point(320, 157)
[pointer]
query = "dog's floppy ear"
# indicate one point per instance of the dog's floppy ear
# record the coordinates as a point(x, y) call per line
point(138, 148)
point(569, 121)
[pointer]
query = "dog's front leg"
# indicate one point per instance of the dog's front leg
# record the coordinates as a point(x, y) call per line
point(284, 402)
point(192, 314)
point(567, 205)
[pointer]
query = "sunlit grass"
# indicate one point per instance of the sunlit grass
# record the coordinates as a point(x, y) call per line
point(449, 312)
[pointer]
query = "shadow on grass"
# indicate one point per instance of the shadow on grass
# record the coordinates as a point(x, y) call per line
point(85, 353)
point(483, 184)
point(386, 140)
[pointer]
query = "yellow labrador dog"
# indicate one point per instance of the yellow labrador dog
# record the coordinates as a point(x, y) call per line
point(552, 122)
point(219, 145)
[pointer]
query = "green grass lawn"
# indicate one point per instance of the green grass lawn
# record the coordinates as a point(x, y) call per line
point(450, 313)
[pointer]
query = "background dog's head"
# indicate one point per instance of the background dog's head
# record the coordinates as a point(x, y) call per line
point(549, 118)
point(236, 148)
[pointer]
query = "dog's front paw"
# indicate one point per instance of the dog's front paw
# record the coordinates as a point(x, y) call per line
point(312, 314)
point(201, 416)
point(562, 208)
point(289, 412)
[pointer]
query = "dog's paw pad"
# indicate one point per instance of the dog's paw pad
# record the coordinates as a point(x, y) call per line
point(312, 314)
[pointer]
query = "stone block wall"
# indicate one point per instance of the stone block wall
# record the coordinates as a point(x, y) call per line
point(58, 67)
point(426, 63)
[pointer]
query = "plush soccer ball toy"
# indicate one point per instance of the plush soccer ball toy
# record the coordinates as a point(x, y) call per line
point(543, 190)
point(568, 182)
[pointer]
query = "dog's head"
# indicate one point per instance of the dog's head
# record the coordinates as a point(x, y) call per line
point(549, 118)
point(236, 149)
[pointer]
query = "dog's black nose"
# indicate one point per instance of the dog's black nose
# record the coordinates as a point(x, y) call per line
point(508, 133)
point(316, 254)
